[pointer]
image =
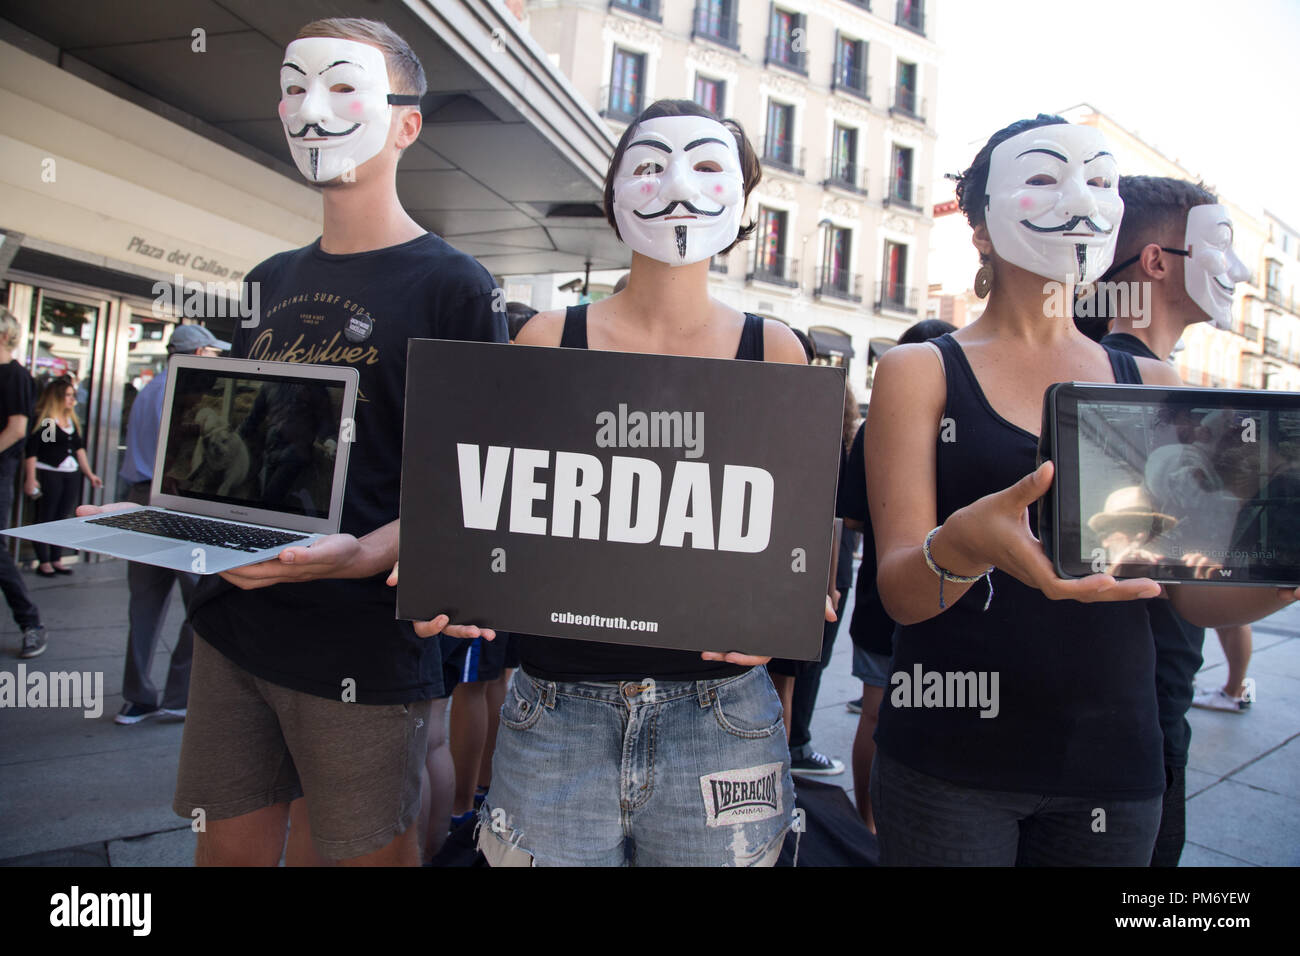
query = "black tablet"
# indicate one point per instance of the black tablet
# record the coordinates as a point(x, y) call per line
point(1174, 484)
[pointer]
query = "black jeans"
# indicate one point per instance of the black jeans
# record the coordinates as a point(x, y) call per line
point(924, 821)
point(60, 491)
point(1173, 819)
point(807, 683)
point(25, 612)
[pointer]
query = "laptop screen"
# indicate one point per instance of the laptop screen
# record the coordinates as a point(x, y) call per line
point(253, 440)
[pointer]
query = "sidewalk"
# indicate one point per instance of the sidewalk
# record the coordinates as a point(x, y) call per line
point(88, 792)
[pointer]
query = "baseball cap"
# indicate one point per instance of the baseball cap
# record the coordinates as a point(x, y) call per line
point(191, 338)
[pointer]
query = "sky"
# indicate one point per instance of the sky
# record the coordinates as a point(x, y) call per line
point(1213, 85)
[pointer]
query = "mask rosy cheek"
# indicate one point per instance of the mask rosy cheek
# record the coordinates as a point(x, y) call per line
point(282, 108)
point(357, 109)
point(1026, 203)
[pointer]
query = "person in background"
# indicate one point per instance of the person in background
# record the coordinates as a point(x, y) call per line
point(56, 452)
point(802, 700)
point(150, 587)
point(1171, 232)
point(517, 316)
point(870, 627)
point(16, 388)
point(479, 672)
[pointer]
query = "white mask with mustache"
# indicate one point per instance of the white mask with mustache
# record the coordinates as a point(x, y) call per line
point(334, 104)
point(678, 192)
point(1212, 268)
point(1053, 202)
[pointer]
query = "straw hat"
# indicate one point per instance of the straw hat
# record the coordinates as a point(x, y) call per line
point(1129, 510)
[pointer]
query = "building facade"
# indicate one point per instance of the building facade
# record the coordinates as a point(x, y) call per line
point(838, 98)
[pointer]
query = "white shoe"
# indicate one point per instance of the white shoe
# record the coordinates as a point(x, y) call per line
point(1218, 699)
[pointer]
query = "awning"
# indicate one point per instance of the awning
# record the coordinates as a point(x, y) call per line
point(509, 166)
point(878, 347)
point(828, 341)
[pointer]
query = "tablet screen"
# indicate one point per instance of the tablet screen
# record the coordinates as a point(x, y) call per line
point(1181, 491)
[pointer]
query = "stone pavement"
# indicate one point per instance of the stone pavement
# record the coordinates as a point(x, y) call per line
point(85, 791)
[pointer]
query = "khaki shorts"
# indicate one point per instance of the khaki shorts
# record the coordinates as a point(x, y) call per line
point(251, 744)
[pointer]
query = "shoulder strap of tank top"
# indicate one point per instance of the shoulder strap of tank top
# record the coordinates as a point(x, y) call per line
point(1124, 366)
point(575, 327)
point(751, 339)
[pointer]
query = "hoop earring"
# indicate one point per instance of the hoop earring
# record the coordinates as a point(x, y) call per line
point(984, 280)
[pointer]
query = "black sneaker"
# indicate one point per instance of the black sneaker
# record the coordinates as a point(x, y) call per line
point(817, 765)
point(854, 706)
point(134, 713)
point(33, 642)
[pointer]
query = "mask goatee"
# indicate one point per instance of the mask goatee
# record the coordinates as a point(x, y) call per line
point(1081, 253)
point(681, 240)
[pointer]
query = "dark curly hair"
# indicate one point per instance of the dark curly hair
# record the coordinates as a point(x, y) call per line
point(972, 184)
point(750, 169)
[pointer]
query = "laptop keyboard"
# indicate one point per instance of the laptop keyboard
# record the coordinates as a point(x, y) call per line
point(217, 534)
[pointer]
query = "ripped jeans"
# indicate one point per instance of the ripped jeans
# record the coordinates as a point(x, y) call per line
point(609, 773)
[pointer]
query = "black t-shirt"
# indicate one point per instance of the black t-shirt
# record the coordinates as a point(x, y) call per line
point(870, 627)
point(50, 445)
point(1073, 712)
point(15, 399)
point(358, 310)
point(1178, 644)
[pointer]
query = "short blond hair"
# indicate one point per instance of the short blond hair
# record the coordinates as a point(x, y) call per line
point(404, 70)
point(10, 328)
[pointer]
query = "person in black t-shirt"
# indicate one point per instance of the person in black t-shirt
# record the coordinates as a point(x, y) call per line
point(303, 680)
point(1021, 723)
point(1156, 240)
point(608, 753)
point(56, 460)
point(870, 627)
point(16, 388)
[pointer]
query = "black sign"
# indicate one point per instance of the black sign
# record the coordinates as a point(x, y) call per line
point(610, 496)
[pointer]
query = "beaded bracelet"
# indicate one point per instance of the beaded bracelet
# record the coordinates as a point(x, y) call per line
point(945, 575)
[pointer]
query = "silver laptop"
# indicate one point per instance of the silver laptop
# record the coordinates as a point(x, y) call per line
point(252, 458)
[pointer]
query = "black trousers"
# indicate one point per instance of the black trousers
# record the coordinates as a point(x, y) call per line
point(25, 612)
point(1173, 819)
point(807, 683)
point(60, 492)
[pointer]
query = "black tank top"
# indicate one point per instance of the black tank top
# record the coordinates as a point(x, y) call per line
point(1076, 702)
point(561, 659)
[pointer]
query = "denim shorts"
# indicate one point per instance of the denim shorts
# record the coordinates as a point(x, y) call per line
point(871, 668)
point(618, 773)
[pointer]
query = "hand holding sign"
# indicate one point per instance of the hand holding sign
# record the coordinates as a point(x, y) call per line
point(442, 624)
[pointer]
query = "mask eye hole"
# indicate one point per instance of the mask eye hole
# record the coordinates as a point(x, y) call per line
point(1101, 182)
point(1042, 179)
point(708, 166)
point(648, 169)
point(342, 88)
point(294, 91)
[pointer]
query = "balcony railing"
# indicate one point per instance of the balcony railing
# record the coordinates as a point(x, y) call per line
point(621, 103)
point(913, 19)
point(895, 297)
point(851, 79)
point(864, 4)
point(839, 284)
point(844, 173)
point(718, 264)
point(902, 192)
point(645, 8)
point(1275, 296)
point(903, 101)
point(783, 154)
point(712, 25)
point(1251, 332)
point(781, 51)
point(778, 270)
